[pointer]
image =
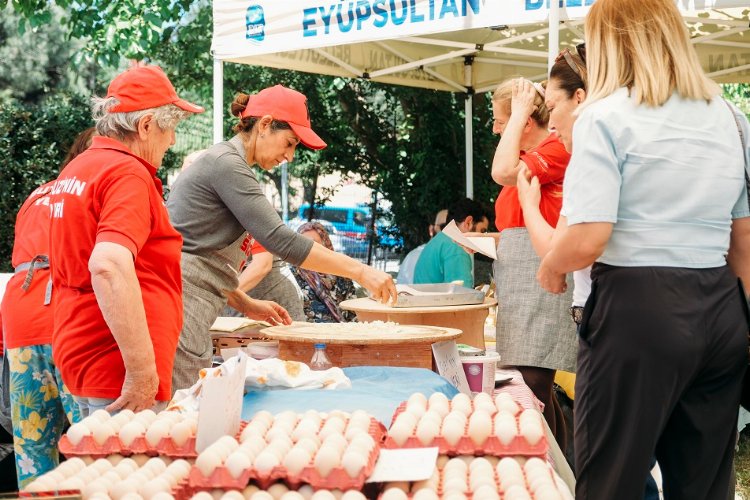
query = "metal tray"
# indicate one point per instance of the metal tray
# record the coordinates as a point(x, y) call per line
point(441, 294)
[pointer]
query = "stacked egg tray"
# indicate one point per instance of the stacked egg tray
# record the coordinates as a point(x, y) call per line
point(480, 478)
point(278, 491)
point(463, 426)
point(115, 478)
point(168, 433)
point(327, 451)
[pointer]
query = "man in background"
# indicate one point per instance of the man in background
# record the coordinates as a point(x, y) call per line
point(406, 269)
point(443, 260)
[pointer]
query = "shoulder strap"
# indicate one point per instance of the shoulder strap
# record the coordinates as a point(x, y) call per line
point(744, 149)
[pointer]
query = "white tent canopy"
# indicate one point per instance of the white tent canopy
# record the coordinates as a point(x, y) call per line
point(464, 46)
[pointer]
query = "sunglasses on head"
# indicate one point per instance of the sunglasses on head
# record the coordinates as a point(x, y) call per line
point(568, 56)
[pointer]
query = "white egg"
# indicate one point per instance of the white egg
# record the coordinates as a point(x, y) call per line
point(88, 474)
point(323, 495)
point(256, 444)
point(277, 490)
point(452, 431)
point(237, 463)
point(77, 432)
point(337, 441)
point(462, 403)
point(364, 441)
point(130, 431)
point(456, 464)
point(40, 485)
point(232, 495)
point(326, 460)
point(151, 488)
point(455, 485)
point(296, 460)
point(305, 428)
point(261, 495)
point(480, 465)
point(180, 433)
point(425, 494)
point(73, 483)
point(354, 462)
point(202, 495)
point(253, 430)
point(427, 430)
point(265, 462)
point(483, 401)
point(132, 496)
point(477, 482)
point(229, 442)
point(486, 492)
point(432, 416)
point(156, 431)
point(353, 495)
point(400, 431)
point(360, 418)
point(292, 495)
point(101, 433)
point(311, 444)
point(101, 415)
point(393, 494)
point(547, 492)
point(516, 492)
point(416, 411)
point(505, 402)
point(249, 490)
point(505, 427)
point(287, 415)
point(332, 425)
point(306, 491)
point(101, 465)
point(156, 465)
point(531, 430)
point(147, 416)
point(417, 399)
point(207, 462)
point(162, 496)
point(314, 416)
point(457, 416)
point(180, 467)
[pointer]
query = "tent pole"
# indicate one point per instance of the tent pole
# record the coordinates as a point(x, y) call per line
point(218, 101)
point(469, 126)
point(554, 33)
point(285, 191)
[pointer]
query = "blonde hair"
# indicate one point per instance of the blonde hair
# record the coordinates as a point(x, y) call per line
point(504, 93)
point(643, 45)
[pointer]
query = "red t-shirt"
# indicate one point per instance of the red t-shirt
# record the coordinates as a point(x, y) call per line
point(107, 194)
point(26, 319)
point(548, 162)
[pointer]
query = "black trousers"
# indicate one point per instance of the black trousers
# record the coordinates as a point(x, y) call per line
point(662, 355)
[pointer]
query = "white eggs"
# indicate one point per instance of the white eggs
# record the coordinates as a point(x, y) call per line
point(326, 460)
point(156, 431)
point(393, 494)
point(207, 462)
point(484, 402)
point(417, 400)
point(265, 462)
point(427, 430)
point(180, 432)
point(400, 431)
point(505, 427)
point(480, 427)
point(530, 426)
point(292, 495)
point(462, 403)
point(237, 463)
point(354, 462)
point(452, 431)
point(77, 432)
point(297, 459)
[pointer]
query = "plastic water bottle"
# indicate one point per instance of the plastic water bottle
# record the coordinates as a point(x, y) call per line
point(320, 360)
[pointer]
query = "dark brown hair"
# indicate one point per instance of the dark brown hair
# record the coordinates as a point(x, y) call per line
point(80, 144)
point(566, 76)
point(248, 123)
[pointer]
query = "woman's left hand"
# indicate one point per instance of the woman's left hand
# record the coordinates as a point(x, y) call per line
point(261, 310)
point(550, 280)
point(266, 310)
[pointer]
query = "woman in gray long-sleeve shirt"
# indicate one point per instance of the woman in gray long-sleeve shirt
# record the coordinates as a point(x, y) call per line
point(218, 200)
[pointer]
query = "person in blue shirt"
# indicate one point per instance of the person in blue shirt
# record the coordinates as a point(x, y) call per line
point(655, 199)
point(443, 260)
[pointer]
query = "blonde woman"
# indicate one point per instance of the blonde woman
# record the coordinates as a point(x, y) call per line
point(534, 334)
point(655, 198)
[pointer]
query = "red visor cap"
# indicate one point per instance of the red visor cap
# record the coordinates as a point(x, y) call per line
point(285, 105)
point(145, 87)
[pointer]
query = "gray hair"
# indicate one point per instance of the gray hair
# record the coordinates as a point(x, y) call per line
point(121, 125)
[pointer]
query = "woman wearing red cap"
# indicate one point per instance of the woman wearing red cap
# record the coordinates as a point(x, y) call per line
point(216, 202)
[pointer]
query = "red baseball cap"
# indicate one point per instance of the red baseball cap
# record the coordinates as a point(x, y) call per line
point(145, 87)
point(285, 105)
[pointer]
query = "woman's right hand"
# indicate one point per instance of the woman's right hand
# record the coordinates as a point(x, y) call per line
point(529, 189)
point(379, 284)
point(522, 100)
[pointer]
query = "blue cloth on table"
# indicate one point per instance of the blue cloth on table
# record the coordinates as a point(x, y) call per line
point(376, 389)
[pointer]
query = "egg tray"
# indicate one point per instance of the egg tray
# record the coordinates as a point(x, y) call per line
point(377, 430)
point(470, 494)
point(338, 478)
point(139, 445)
point(49, 494)
point(465, 446)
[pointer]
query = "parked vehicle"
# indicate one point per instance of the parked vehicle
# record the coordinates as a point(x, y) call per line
point(353, 247)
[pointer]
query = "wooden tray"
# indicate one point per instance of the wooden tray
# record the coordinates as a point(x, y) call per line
point(353, 333)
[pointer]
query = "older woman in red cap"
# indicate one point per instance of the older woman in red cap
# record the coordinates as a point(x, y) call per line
point(216, 202)
point(115, 257)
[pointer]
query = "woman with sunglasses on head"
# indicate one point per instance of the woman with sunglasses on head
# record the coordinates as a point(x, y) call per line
point(655, 198)
point(215, 204)
point(565, 92)
point(533, 333)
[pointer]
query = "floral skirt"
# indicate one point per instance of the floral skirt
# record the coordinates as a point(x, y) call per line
point(40, 405)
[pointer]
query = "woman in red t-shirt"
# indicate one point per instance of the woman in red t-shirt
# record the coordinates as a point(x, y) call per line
point(534, 333)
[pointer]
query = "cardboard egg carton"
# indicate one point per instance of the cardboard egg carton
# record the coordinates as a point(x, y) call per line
point(114, 446)
point(466, 446)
